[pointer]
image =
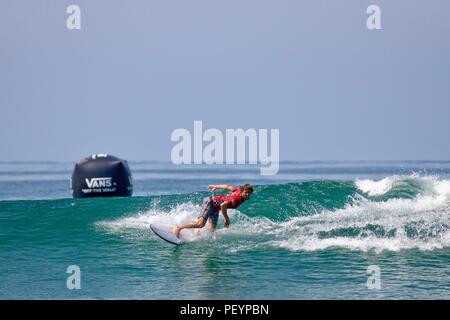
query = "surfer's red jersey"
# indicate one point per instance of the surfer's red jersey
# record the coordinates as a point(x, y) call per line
point(233, 199)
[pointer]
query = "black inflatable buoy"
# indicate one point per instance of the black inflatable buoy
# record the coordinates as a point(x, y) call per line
point(101, 175)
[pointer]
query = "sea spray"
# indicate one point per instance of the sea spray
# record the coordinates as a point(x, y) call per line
point(361, 223)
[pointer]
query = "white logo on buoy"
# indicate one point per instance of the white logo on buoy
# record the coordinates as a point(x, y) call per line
point(99, 155)
point(105, 182)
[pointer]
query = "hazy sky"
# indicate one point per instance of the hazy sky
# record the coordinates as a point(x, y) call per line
point(137, 70)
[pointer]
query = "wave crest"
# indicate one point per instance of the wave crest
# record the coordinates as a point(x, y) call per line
point(393, 214)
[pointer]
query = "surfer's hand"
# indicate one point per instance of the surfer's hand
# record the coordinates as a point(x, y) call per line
point(212, 187)
point(226, 223)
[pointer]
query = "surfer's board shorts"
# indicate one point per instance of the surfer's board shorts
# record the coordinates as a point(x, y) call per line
point(208, 212)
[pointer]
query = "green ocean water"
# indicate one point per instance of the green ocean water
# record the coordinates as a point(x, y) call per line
point(295, 239)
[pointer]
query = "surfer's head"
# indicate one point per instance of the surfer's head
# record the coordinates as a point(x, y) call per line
point(246, 191)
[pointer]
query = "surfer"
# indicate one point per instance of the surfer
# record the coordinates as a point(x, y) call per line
point(213, 204)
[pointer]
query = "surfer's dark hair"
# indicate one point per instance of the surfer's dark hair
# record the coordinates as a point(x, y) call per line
point(247, 187)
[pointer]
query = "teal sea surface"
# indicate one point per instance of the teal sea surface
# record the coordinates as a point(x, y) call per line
point(313, 231)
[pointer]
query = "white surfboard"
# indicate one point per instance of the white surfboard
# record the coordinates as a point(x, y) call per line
point(165, 232)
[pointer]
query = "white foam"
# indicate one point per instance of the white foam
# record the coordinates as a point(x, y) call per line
point(376, 188)
point(181, 214)
point(420, 223)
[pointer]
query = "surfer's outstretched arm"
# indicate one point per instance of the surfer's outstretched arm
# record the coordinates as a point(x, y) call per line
point(221, 186)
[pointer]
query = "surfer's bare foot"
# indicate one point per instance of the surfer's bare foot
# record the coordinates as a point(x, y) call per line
point(176, 231)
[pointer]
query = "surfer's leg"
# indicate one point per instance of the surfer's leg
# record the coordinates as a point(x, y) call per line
point(202, 218)
point(200, 223)
point(212, 226)
point(213, 218)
